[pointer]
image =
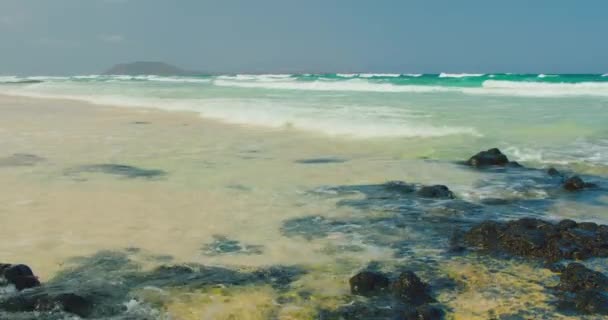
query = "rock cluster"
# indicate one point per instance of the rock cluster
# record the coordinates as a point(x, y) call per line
point(585, 290)
point(412, 296)
point(530, 237)
point(22, 277)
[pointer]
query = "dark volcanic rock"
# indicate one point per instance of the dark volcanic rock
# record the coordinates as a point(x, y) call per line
point(406, 298)
point(587, 289)
point(368, 283)
point(492, 157)
point(20, 275)
point(576, 277)
point(576, 183)
point(553, 172)
point(529, 237)
point(436, 191)
point(592, 301)
point(75, 304)
point(409, 288)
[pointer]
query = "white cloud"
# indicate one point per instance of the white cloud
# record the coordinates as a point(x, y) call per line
point(112, 38)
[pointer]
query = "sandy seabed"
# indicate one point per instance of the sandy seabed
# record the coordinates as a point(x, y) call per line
point(78, 178)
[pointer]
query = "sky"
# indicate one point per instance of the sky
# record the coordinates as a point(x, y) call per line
point(58, 37)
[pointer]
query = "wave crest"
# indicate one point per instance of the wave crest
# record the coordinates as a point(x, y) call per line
point(460, 75)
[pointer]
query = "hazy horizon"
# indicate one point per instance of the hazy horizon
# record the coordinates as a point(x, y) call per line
point(69, 37)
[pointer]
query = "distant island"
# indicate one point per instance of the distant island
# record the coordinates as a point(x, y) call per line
point(147, 68)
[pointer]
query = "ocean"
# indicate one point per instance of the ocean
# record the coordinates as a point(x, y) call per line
point(258, 196)
point(545, 119)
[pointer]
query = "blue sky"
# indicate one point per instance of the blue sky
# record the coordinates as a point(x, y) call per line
point(428, 36)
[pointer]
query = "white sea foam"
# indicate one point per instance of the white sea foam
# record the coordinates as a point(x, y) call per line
point(579, 151)
point(539, 89)
point(413, 75)
point(10, 79)
point(348, 85)
point(460, 75)
point(542, 75)
point(347, 75)
point(256, 77)
point(341, 120)
point(379, 75)
point(605, 75)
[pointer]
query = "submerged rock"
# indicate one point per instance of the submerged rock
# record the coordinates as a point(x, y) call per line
point(436, 192)
point(406, 298)
point(426, 312)
point(587, 289)
point(75, 304)
point(320, 160)
point(20, 275)
point(592, 301)
point(410, 289)
point(223, 245)
point(20, 160)
point(576, 183)
point(553, 172)
point(125, 171)
point(576, 277)
point(98, 286)
point(367, 283)
point(529, 237)
point(399, 186)
point(42, 302)
point(491, 157)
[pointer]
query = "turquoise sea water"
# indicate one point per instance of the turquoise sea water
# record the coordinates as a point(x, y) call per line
point(545, 119)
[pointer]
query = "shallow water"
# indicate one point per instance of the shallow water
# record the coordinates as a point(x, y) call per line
point(273, 220)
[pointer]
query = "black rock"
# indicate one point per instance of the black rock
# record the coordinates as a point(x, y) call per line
point(75, 304)
point(368, 283)
point(587, 289)
point(576, 183)
point(21, 276)
point(592, 302)
point(485, 235)
point(436, 191)
point(534, 238)
point(492, 157)
point(514, 164)
point(3, 266)
point(410, 289)
point(555, 267)
point(576, 277)
point(566, 224)
point(553, 172)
